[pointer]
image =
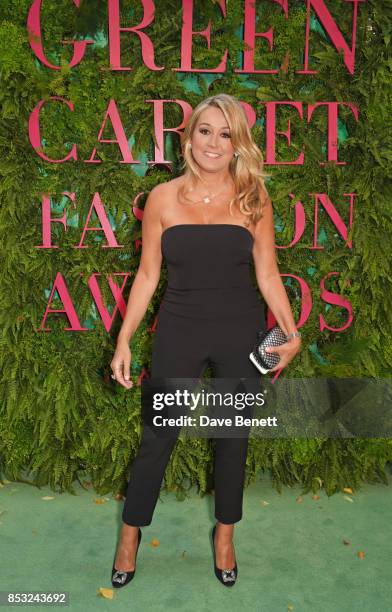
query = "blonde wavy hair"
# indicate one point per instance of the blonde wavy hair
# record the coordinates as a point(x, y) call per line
point(246, 169)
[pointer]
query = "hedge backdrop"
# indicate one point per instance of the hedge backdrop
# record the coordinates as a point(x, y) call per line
point(62, 417)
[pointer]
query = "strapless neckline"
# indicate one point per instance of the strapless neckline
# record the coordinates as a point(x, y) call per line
point(209, 271)
point(241, 227)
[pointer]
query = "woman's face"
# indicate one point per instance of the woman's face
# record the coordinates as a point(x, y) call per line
point(212, 135)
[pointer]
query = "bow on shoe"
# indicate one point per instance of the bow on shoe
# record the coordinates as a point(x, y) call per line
point(119, 576)
point(228, 575)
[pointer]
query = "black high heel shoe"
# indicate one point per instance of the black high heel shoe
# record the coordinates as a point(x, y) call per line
point(225, 576)
point(120, 577)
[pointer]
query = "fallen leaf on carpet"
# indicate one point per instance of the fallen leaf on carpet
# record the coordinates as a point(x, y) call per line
point(106, 593)
point(347, 498)
point(361, 554)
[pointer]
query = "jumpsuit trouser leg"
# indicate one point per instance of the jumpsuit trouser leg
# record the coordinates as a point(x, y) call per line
point(182, 349)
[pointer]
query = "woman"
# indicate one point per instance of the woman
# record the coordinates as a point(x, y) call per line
point(208, 223)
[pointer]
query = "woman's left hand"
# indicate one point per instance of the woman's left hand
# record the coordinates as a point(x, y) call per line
point(286, 351)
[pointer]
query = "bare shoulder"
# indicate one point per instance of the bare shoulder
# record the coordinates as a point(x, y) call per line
point(160, 198)
point(165, 189)
point(157, 195)
point(264, 230)
point(266, 203)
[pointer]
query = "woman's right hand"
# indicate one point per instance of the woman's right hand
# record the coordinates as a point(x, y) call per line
point(121, 365)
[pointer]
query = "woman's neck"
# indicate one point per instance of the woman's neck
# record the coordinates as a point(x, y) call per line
point(212, 184)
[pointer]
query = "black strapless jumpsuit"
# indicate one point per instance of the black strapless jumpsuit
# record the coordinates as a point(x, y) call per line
point(210, 305)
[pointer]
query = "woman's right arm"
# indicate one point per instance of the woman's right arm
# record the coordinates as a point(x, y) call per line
point(144, 284)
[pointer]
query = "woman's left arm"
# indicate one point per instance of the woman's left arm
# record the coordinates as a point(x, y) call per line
point(271, 285)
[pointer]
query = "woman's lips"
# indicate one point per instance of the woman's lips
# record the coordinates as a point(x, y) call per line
point(211, 155)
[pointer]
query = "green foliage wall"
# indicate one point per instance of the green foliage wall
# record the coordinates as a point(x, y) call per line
point(61, 415)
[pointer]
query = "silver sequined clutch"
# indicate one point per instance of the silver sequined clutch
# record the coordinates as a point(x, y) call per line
point(271, 337)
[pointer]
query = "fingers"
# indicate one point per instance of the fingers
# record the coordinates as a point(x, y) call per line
point(127, 371)
point(285, 353)
point(273, 349)
point(121, 374)
point(280, 366)
point(276, 369)
point(281, 353)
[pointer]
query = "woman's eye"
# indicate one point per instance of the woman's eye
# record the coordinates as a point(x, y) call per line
point(202, 130)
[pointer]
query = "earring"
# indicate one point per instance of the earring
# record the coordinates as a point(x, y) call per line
point(236, 154)
point(190, 145)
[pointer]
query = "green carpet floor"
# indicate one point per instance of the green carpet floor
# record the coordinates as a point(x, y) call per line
point(291, 554)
